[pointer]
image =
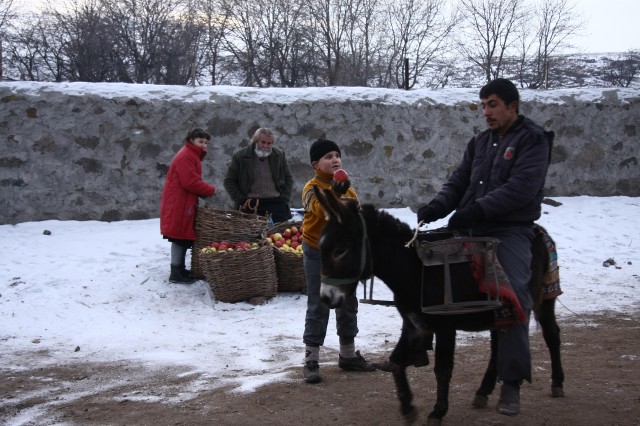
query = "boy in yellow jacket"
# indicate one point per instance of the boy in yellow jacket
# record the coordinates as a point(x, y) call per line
point(325, 159)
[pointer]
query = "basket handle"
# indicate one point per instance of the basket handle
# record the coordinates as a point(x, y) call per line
point(248, 206)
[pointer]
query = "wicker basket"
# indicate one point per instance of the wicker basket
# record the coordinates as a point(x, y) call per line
point(218, 225)
point(240, 275)
point(291, 276)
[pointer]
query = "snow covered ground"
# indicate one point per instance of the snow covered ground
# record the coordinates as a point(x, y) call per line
point(96, 291)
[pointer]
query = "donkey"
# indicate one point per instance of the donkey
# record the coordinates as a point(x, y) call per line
point(358, 242)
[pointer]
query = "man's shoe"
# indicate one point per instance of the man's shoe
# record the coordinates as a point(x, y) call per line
point(177, 277)
point(509, 402)
point(311, 372)
point(358, 363)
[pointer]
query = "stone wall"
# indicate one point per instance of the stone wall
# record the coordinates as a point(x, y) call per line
point(79, 151)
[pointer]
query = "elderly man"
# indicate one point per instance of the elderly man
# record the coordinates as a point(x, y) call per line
point(259, 180)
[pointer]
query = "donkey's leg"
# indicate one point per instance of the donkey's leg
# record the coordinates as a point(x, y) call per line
point(405, 396)
point(445, 348)
point(399, 358)
point(488, 383)
point(413, 349)
point(551, 334)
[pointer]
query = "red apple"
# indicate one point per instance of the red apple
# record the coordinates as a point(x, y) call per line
point(340, 175)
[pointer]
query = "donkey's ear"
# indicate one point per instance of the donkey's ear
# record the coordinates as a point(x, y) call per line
point(322, 199)
point(329, 203)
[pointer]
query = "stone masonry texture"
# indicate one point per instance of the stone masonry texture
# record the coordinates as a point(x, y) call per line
point(80, 151)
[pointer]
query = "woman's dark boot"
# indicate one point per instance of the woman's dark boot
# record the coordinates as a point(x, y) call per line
point(178, 277)
point(186, 272)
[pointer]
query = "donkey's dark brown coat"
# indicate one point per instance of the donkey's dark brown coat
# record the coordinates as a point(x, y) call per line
point(342, 248)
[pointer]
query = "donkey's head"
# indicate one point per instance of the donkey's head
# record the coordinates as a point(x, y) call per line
point(344, 248)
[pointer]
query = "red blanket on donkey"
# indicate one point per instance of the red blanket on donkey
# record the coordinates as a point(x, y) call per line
point(491, 278)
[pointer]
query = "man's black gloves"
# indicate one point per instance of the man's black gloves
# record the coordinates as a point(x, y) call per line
point(341, 187)
point(430, 212)
point(466, 217)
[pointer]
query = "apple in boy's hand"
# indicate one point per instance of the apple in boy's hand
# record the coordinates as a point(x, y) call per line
point(340, 176)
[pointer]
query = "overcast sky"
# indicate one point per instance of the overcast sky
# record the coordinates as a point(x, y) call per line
point(611, 25)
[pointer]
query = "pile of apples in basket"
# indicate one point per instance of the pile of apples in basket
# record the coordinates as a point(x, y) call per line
point(289, 241)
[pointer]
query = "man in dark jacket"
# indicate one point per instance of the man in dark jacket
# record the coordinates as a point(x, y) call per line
point(497, 191)
point(259, 180)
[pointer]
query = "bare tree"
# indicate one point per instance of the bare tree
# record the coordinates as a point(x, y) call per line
point(623, 71)
point(242, 38)
point(557, 21)
point(8, 13)
point(353, 72)
point(24, 52)
point(489, 30)
point(523, 61)
point(270, 27)
point(214, 22)
point(177, 53)
point(267, 40)
point(419, 30)
point(363, 41)
point(330, 19)
point(37, 49)
point(285, 26)
point(379, 43)
point(86, 41)
point(139, 27)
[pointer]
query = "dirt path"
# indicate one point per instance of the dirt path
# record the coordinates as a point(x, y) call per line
point(602, 367)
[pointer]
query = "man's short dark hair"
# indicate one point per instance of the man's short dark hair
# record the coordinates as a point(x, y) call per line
point(503, 88)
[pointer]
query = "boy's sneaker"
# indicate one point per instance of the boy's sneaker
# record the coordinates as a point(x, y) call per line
point(311, 372)
point(358, 363)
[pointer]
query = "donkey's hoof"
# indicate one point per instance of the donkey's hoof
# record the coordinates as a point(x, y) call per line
point(557, 392)
point(411, 416)
point(434, 421)
point(480, 401)
point(387, 366)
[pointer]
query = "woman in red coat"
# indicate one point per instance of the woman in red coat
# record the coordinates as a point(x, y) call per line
point(180, 194)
